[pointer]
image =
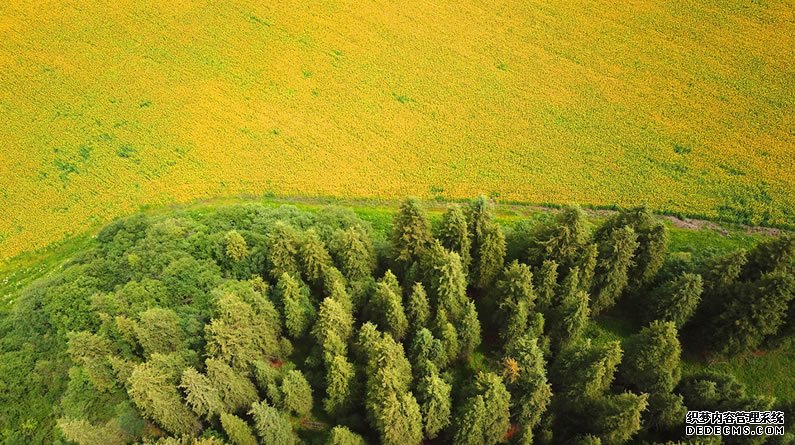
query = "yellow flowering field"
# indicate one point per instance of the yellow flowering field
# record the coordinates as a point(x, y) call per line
point(107, 106)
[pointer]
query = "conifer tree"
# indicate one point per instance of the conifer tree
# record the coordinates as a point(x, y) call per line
point(570, 313)
point(676, 300)
point(282, 244)
point(615, 258)
point(411, 232)
point(516, 300)
point(314, 258)
point(447, 333)
point(157, 398)
point(445, 279)
point(652, 358)
point(546, 283)
point(485, 415)
point(388, 307)
point(426, 348)
point(341, 435)
point(469, 330)
point(587, 265)
point(418, 310)
point(296, 393)
point(235, 246)
point(202, 396)
point(237, 430)
point(563, 241)
point(340, 385)
point(273, 427)
point(490, 258)
point(236, 391)
point(526, 378)
point(435, 404)
point(584, 371)
point(83, 432)
point(454, 235)
point(479, 216)
point(333, 318)
point(617, 418)
point(353, 252)
point(296, 306)
point(769, 256)
point(92, 352)
point(159, 331)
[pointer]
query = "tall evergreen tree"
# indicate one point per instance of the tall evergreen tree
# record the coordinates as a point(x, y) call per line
point(546, 283)
point(297, 309)
point(617, 418)
point(296, 393)
point(272, 426)
point(516, 300)
point(485, 415)
point(159, 331)
point(92, 352)
point(454, 234)
point(341, 435)
point(235, 246)
point(584, 371)
point(333, 318)
point(282, 244)
point(157, 398)
point(353, 252)
point(387, 304)
point(447, 333)
point(237, 430)
point(772, 255)
point(236, 391)
point(615, 258)
point(652, 358)
point(570, 313)
point(202, 396)
point(435, 404)
point(469, 330)
point(563, 241)
point(418, 309)
point(445, 280)
point(314, 258)
point(83, 432)
point(490, 258)
point(676, 300)
point(527, 380)
point(587, 265)
point(341, 385)
point(411, 232)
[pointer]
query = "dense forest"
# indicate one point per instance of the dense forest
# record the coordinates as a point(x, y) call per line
point(257, 324)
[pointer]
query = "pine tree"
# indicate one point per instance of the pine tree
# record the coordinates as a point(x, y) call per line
point(411, 232)
point(447, 333)
point(676, 300)
point(340, 385)
point(454, 235)
point(239, 335)
point(92, 352)
point(314, 258)
point(297, 394)
point(479, 216)
point(617, 418)
point(282, 243)
point(157, 398)
point(469, 330)
point(516, 300)
point(445, 280)
point(388, 307)
point(584, 371)
point(235, 246)
point(353, 252)
point(772, 255)
point(237, 430)
point(652, 358)
point(757, 311)
point(418, 310)
point(485, 415)
point(333, 318)
point(666, 412)
point(341, 435)
point(546, 283)
point(296, 306)
point(83, 432)
point(570, 313)
point(615, 258)
point(435, 404)
point(159, 331)
point(236, 391)
point(527, 380)
point(272, 426)
point(202, 396)
point(563, 241)
point(587, 266)
point(425, 348)
point(490, 258)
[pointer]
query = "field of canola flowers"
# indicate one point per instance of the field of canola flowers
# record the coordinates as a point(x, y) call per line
point(107, 106)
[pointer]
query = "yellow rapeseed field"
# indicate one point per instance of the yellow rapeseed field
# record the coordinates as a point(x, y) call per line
point(685, 105)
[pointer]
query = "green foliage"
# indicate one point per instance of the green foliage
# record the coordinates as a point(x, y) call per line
point(353, 252)
point(526, 378)
point(775, 255)
point(491, 256)
point(546, 283)
point(200, 393)
point(616, 251)
point(158, 331)
point(282, 244)
point(469, 330)
point(516, 300)
point(387, 305)
point(652, 358)
point(314, 258)
point(297, 308)
point(676, 300)
point(447, 333)
point(666, 411)
point(83, 432)
point(435, 404)
point(152, 391)
point(235, 389)
point(341, 385)
point(297, 394)
point(235, 246)
point(617, 418)
point(445, 279)
point(237, 430)
point(272, 426)
point(563, 241)
point(91, 351)
point(341, 435)
point(570, 312)
point(585, 371)
point(454, 235)
point(411, 232)
point(334, 320)
point(484, 417)
point(418, 311)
